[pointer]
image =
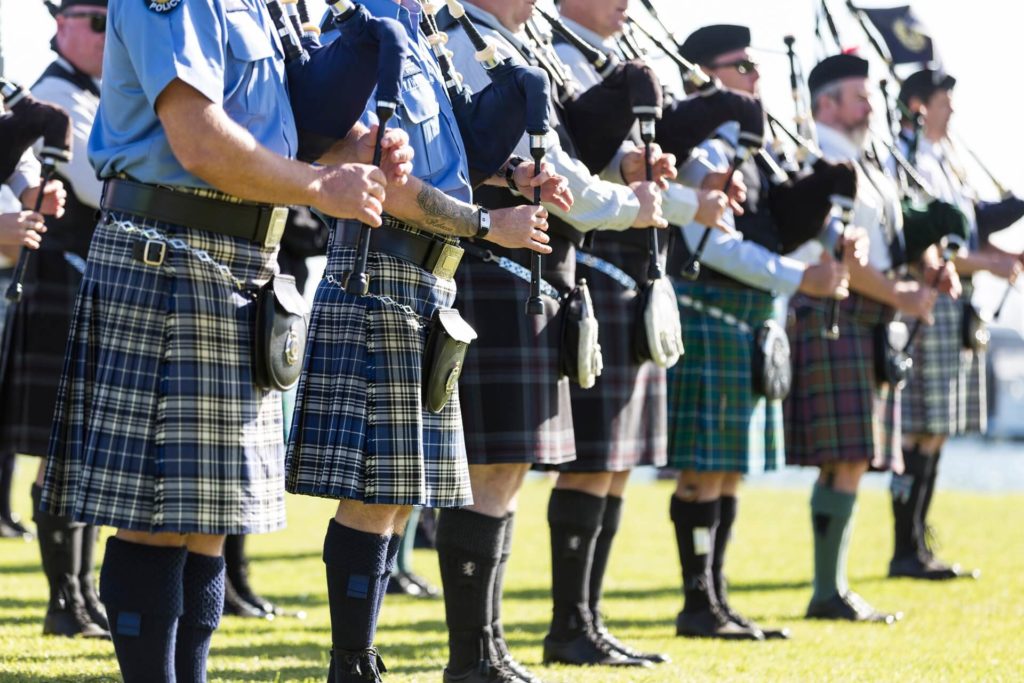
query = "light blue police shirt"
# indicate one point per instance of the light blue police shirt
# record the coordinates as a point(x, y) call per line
point(225, 49)
point(425, 112)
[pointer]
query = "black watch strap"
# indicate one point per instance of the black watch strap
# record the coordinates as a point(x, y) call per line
point(510, 172)
point(483, 223)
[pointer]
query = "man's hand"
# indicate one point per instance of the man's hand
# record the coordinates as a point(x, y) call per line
point(24, 228)
point(711, 207)
point(828, 279)
point(943, 276)
point(521, 227)
point(916, 300)
point(856, 247)
point(1006, 266)
point(650, 215)
point(634, 166)
point(351, 191)
point(737, 189)
point(54, 198)
point(396, 154)
point(554, 188)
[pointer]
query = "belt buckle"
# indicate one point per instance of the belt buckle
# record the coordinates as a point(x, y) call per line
point(447, 262)
point(275, 227)
point(157, 260)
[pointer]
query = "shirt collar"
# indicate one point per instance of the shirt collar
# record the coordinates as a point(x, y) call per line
point(589, 36)
point(406, 11)
point(837, 145)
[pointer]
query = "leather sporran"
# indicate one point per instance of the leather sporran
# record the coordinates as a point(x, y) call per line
point(581, 359)
point(280, 341)
point(974, 329)
point(772, 371)
point(893, 363)
point(658, 331)
point(444, 355)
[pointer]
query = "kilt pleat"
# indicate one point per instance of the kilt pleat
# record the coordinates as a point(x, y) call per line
point(931, 398)
point(972, 389)
point(158, 426)
point(836, 411)
point(621, 422)
point(715, 420)
point(35, 340)
point(359, 430)
point(516, 406)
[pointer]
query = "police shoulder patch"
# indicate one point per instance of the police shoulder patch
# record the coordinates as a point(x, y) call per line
point(163, 6)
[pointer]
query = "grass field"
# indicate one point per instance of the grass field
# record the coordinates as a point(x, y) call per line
point(961, 631)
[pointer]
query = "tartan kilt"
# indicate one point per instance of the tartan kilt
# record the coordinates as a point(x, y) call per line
point(516, 404)
point(973, 392)
point(715, 420)
point(620, 422)
point(360, 430)
point(35, 339)
point(158, 425)
point(931, 398)
point(836, 411)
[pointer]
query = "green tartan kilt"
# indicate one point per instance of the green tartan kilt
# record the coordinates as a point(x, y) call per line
point(973, 394)
point(716, 423)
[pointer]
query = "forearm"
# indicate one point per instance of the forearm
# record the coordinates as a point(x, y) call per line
point(873, 284)
point(428, 208)
point(220, 152)
point(345, 151)
point(598, 204)
point(973, 262)
point(748, 262)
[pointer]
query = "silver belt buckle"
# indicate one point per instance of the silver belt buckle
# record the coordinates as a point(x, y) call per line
point(278, 219)
point(448, 262)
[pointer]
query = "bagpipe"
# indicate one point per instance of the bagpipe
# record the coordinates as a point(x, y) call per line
point(329, 85)
point(27, 119)
point(493, 120)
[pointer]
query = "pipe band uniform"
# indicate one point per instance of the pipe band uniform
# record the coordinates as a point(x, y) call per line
point(840, 416)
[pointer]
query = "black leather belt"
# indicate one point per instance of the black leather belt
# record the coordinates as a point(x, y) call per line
point(395, 239)
point(259, 223)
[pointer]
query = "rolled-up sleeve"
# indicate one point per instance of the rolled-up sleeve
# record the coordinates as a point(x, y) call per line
point(748, 262)
point(26, 174)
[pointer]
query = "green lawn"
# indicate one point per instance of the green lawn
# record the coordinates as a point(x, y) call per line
point(960, 631)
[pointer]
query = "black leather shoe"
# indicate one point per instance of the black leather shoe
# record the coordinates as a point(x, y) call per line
point(11, 527)
point(931, 569)
point(235, 606)
point(485, 673)
point(356, 666)
point(849, 607)
point(586, 649)
point(427, 590)
point(722, 594)
point(623, 649)
point(66, 615)
point(399, 583)
point(521, 673)
point(712, 623)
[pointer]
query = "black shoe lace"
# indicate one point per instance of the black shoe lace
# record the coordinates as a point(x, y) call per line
point(366, 664)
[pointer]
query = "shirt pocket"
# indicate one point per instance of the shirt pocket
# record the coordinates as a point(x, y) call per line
point(421, 119)
point(247, 42)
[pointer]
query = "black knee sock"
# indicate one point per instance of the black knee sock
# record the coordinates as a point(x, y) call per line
point(908, 491)
point(203, 602)
point(695, 525)
point(395, 544)
point(6, 481)
point(575, 521)
point(926, 502)
point(469, 547)
point(142, 588)
point(356, 562)
point(727, 508)
point(610, 521)
point(497, 627)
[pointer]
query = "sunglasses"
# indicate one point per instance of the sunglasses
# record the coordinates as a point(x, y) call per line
point(743, 66)
point(97, 20)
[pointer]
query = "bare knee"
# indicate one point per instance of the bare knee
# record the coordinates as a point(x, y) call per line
point(846, 476)
point(619, 482)
point(699, 487)
point(592, 483)
point(371, 519)
point(495, 487)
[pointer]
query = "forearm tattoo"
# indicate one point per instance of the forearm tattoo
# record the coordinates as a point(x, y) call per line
point(443, 214)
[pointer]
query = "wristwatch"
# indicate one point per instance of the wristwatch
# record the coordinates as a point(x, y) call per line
point(483, 223)
point(510, 172)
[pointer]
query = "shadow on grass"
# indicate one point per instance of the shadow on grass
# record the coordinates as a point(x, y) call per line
point(401, 658)
point(30, 568)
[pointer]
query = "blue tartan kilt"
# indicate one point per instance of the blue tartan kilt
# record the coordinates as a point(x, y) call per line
point(158, 426)
point(360, 430)
point(620, 422)
point(515, 404)
point(931, 398)
point(715, 420)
